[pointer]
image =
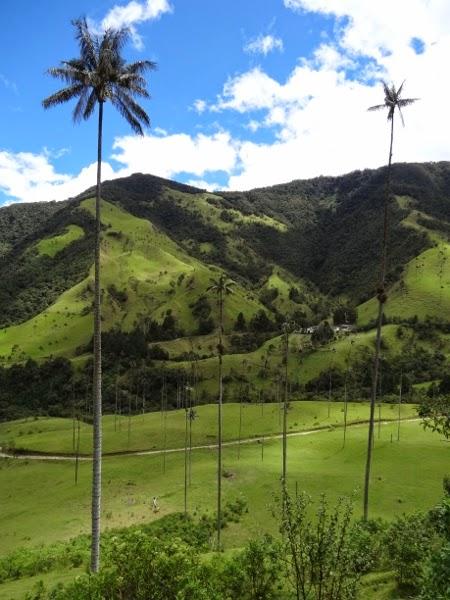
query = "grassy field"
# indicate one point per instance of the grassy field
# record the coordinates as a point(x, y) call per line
point(145, 432)
point(41, 503)
point(423, 289)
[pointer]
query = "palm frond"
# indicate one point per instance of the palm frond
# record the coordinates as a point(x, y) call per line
point(66, 73)
point(134, 84)
point(406, 101)
point(392, 101)
point(132, 106)
point(140, 66)
point(88, 43)
point(117, 39)
point(399, 91)
point(127, 115)
point(100, 73)
point(80, 105)
point(377, 107)
point(63, 95)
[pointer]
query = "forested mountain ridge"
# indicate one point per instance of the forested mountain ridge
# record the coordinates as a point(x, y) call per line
point(297, 251)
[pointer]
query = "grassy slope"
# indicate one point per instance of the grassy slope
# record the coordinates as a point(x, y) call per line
point(304, 363)
point(56, 434)
point(52, 245)
point(136, 257)
point(283, 281)
point(426, 283)
point(406, 476)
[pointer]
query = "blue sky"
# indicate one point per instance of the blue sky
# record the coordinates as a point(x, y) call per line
point(246, 94)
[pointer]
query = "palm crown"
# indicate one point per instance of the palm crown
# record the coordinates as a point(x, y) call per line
point(222, 285)
point(393, 100)
point(100, 74)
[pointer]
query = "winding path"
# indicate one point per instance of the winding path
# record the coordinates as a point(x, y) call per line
point(252, 440)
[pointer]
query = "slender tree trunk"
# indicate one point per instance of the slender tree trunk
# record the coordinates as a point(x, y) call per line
point(186, 416)
point(240, 428)
point(97, 379)
point(285, 409)
point(399, 406)
point(77, 453)
point(165, 431)
point(345, 411)
point(329, 396)
point(129, 422)
point(115, 410)
point(219, 424)
point(190, 438)
point(381, 293)
point(73, 424)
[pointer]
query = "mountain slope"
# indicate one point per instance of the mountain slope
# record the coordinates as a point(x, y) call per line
point(295, 251)
point(145, 274)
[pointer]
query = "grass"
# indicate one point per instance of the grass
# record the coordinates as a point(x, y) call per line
point(156, 273)
point(55, 435)
point(16, 589)
point(263, 367)
point(423, 287)
point(41, 503)
point(283, 282)
point(52, 245)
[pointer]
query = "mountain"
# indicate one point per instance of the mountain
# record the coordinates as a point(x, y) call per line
point(297, 250)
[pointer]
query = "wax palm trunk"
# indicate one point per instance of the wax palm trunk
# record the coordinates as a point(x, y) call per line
point(97, 376)
point(381, 296)
point(392, 101)
point(220, 424)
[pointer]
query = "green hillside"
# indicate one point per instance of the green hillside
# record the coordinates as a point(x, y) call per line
point(153, 273)
point(423, 289)
point(296, 252)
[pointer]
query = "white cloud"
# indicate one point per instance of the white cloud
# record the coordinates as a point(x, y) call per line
point(178, 153)
point(263, 44)
point(250, 91)
point(204, 185)
point(134, 13)
point(28, 177)
point(200, 106)
point(317, 114)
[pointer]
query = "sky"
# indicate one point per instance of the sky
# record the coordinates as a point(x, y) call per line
point(247, 93)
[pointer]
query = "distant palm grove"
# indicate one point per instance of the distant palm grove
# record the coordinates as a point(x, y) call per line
point(248, 392)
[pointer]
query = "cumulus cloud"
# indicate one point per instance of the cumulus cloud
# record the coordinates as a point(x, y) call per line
point(28, 177)
point(177, 153)
point(134, 13)
point(263, 44)
point(200, 106)
point(315, 118)
point(318, 113)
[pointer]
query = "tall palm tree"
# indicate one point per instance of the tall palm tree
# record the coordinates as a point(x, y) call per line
point(222, 287)
point(288, 328)
point(392, 101)
point(98, 75)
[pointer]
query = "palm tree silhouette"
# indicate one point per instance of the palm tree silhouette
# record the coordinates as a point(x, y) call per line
point(98, 75)
point(392, 101)
point(222, 287)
